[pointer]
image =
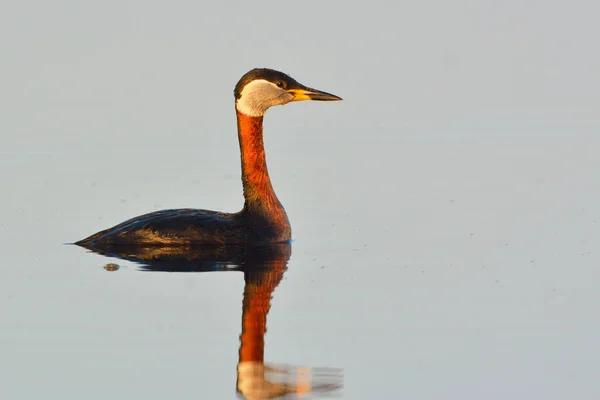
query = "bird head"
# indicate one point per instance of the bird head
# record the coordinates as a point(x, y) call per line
point(262, 88)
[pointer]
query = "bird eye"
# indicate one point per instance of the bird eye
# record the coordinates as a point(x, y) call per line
point(280, 84)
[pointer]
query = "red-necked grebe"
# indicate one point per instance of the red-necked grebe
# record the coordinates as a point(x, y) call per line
point(262, 219)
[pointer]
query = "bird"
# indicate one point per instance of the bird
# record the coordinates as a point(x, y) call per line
point(263, 219)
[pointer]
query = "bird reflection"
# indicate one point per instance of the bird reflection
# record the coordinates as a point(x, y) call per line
point(263, 269)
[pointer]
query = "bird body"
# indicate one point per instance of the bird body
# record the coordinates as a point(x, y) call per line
point(263, 219)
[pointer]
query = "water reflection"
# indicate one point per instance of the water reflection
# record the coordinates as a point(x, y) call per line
point(263, 269)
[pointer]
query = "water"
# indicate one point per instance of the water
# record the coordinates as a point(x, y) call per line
point(445, 214)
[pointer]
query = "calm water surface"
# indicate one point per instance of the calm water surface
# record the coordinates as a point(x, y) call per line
point(446, 214)
point(451, 273)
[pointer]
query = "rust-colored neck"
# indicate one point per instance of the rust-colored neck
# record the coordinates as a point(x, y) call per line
point(260, 197)
point(255, 176)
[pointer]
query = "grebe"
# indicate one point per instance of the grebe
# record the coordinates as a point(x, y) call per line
point(263, 219)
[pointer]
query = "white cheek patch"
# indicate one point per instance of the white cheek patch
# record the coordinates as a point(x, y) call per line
point(258, 96)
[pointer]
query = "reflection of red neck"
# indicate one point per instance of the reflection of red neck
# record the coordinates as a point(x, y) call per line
point(254, 323)
point(258, 291)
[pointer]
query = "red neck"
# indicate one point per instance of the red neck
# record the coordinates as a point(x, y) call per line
point(258, 191)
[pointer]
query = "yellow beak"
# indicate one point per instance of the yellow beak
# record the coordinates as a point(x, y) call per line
point(312, 94)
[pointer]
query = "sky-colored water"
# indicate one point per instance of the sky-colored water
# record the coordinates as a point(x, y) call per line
point(446, 214)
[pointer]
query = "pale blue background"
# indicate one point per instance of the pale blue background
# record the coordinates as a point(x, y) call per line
point(452, 197)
